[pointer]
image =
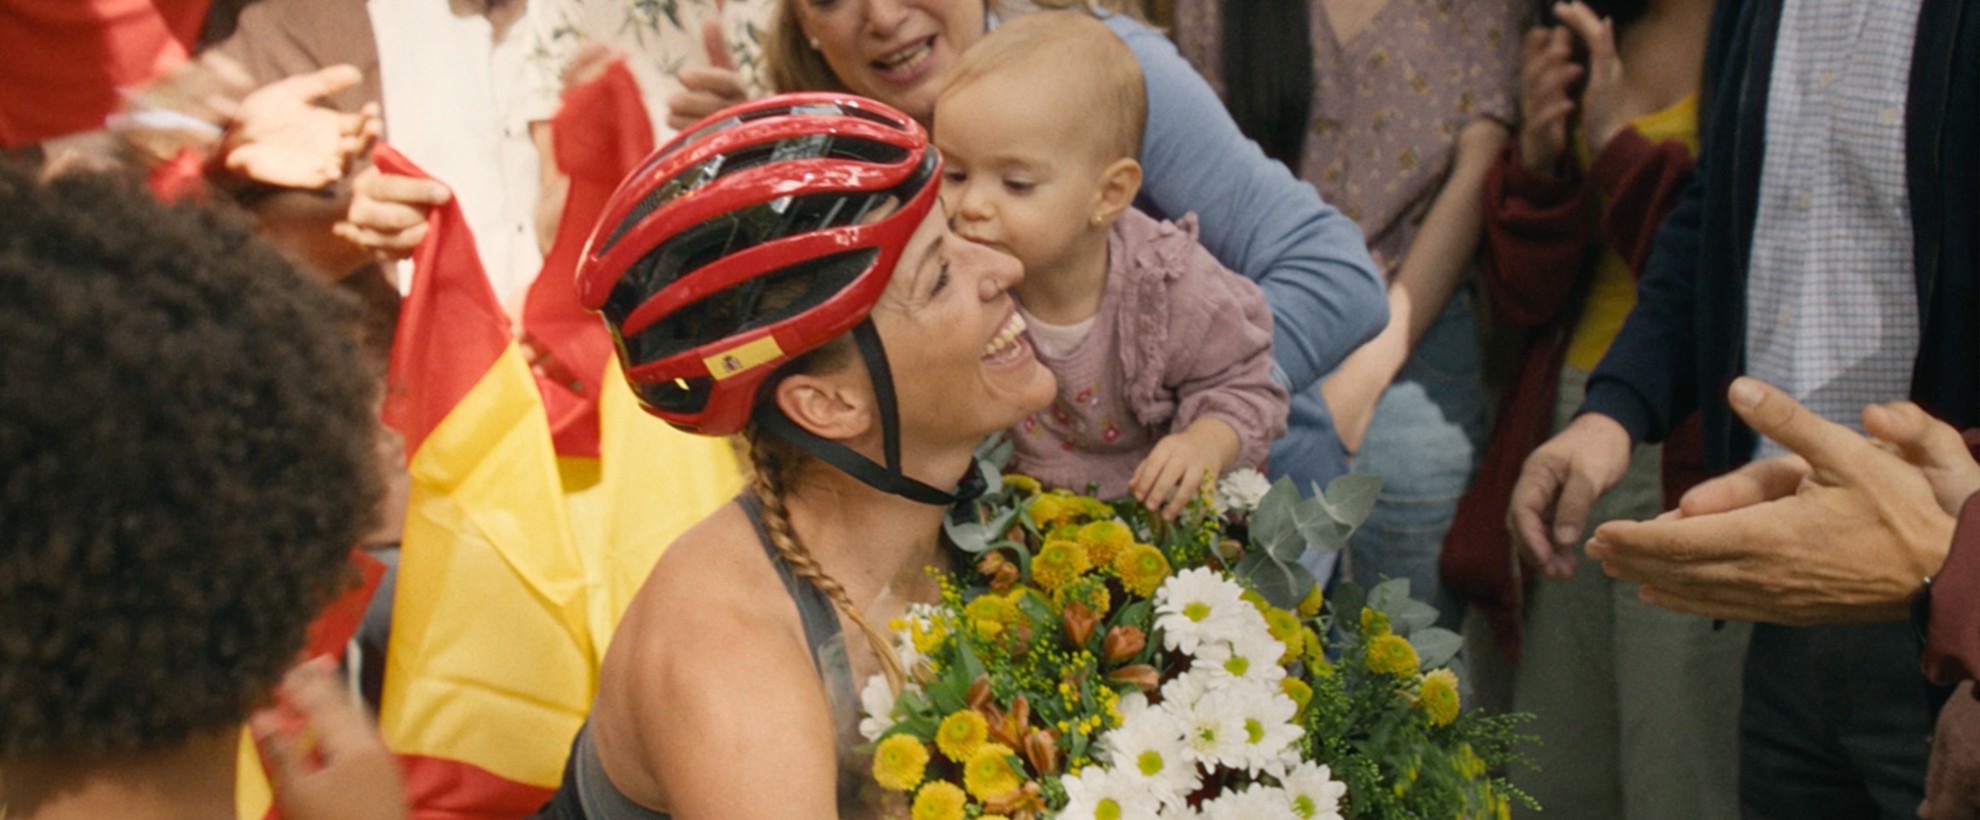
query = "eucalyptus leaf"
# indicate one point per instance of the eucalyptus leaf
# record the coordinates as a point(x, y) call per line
point(1349, 498)
point(1280, 583)
point(1387, 590)
point(995, 451)
point(1273, 526)
point(1317, 528)
point(1434, 646)
point(978, 538)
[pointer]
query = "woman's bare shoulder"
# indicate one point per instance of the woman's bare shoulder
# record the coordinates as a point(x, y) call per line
point(710, 652)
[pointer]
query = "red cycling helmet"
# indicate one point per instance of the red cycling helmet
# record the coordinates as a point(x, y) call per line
point(784, 188)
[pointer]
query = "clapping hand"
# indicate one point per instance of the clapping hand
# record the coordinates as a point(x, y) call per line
point(1845, 530)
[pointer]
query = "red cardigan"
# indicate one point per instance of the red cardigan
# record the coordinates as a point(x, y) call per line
point(1542, 238)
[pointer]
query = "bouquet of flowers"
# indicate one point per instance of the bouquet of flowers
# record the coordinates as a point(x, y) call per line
point(1097, 662)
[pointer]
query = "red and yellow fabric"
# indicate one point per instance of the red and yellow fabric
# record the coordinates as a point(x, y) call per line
point(489, 672)
point(541, 497)
point(633, 484)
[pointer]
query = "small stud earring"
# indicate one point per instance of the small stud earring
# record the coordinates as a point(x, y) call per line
point(814, 43)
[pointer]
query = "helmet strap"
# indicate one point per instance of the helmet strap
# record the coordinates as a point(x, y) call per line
point(888, 478)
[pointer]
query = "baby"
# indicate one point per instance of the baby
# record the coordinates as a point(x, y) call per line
point(1163, 356)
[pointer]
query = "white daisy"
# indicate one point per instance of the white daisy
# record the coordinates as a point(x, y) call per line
point(1255, 803)
point(1313, 792)
point(1148, 749)
point(1198, 606)
point(1182, 692)
point(1101, 794)
point(1253, 657)
point(876, 700)
point(1241, 490)
point(1269, 730)
point(1213, 728)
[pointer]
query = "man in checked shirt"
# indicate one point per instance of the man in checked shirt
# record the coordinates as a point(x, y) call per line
point(1827, 245)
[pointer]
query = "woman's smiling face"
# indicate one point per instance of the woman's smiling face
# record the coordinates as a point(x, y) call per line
point(896, 51)
point(962, 366)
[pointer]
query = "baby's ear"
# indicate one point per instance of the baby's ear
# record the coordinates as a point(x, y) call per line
point(1118, 185)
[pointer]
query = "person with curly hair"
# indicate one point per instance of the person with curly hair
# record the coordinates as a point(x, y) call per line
point(186, 456)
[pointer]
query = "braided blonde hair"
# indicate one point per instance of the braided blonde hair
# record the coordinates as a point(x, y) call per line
point(773, 462)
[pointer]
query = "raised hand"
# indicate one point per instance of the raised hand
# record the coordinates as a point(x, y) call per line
point(1546, 71)
point(1602, 96)
point(280, 136)
point(709, 89)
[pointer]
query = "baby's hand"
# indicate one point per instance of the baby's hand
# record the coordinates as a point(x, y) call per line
point(1171, 474)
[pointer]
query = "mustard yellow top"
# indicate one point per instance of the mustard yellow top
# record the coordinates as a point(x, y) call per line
point(1614, 290)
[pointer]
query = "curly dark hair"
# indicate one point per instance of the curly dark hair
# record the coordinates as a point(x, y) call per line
point(187, 441)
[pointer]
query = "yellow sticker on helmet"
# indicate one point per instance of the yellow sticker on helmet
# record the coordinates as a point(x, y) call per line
point(742, 357)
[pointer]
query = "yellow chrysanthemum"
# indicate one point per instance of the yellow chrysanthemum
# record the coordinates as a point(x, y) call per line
point(989, 774)
point(1391, 655)
point(1087, 589)
point(899, 762)
point(1297, 690)
point(1309, 606)
point(1315, 652)
point(1257, 601)
point(1089, 507)
point(960, 733)
point(1049, 510)
point(1104, 540)
point(939, 800)
point(1285, 627)
point(1374, 624)
point(989, 614)
point(1022, 483)
point(1142, 569)
point(1438, 697)
point(1057, 564)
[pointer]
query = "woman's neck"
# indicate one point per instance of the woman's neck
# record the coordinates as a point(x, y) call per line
point(194, 781)
point(1665, 52)
point(875, 544)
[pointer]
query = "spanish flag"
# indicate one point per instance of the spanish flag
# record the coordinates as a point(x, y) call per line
point(632, 484)
point(491, 665)
point(542, 495)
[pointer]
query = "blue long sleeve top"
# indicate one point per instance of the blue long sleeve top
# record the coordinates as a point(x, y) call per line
point(1258, 219)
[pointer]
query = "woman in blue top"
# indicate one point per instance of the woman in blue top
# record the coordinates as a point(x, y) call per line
point(1309, 259)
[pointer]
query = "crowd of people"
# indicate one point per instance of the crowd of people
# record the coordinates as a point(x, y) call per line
point(1660, 320)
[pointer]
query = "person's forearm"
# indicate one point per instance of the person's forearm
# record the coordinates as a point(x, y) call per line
point(1430, 272)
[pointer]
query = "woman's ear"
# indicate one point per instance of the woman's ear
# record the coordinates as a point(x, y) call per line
point(831, 406)
point(1119, 183)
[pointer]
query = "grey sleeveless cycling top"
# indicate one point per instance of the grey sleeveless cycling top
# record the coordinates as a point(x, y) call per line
point(587, 793)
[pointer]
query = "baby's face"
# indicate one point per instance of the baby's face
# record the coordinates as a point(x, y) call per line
point(1020, 172)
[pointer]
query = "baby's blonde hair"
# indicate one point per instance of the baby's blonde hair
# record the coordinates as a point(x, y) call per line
point(1071, 48)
